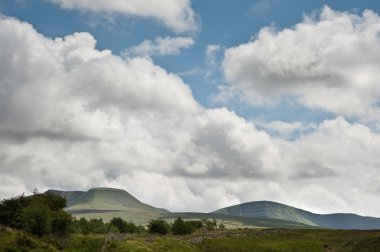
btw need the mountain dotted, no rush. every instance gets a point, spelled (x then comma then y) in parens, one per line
(274, 210)
(107, 203)
(231, 221)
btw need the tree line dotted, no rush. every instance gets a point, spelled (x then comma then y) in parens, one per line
(43, 213)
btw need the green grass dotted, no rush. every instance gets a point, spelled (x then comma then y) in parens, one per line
(17, 241)
(152, 244)
(298, 241)
(258, 240)
(83, 243)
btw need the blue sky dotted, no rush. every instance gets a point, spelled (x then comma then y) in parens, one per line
(203, 98)
(224, 23)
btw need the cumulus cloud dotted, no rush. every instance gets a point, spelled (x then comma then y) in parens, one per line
(284, 129)
(175, 14)
(73, 117)
(159, 47)
(329, 62)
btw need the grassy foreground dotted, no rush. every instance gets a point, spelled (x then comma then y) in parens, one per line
(20, 241)
(259, 240)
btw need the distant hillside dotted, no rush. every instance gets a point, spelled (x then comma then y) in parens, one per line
(107, 203)
(231, 221)
(273, 210)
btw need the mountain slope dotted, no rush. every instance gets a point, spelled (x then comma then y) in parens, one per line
(231, 221)
(107, 203)
(273, 210)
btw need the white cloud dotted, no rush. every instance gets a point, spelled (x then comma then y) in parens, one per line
(211, 52)
(329, 63)
(160, 47)
(73, 117)
(175, 14)
(284, 129)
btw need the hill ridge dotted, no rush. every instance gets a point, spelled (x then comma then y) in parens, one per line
(106, 203)
(275, 210)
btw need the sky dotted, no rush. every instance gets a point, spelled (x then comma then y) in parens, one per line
(194, 105)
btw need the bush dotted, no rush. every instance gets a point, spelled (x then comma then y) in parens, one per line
(93, 226)
(158, 226)
(11, 211)
(130, 228)
(195, 224)
(123, 226)
(36, 219)
(209, 225)
(181, 227)
(37, 214)
(61, 222)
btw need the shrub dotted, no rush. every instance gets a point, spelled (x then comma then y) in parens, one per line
(181, 227)
(61, 222)
(209, 225)
(158, 226)
(221, 226)
(36, 219)
(195, 224)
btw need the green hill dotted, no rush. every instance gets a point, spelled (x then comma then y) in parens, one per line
(107, 203)
(273, 210)
(231, 221)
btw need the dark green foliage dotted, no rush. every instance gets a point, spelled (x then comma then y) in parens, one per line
(123, 226)
(38, 214)
(130, 227)
(61, 222)
(158, 226)
(119, 223)
(209, 225)
(11, 211)
(93, 226)
(84, 226)
(36, 219)
(97, 226)
(181, 227)
(53, 201)
(195, 224)
(221, 226)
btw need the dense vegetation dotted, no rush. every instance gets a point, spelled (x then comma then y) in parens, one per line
(258, 240)
(38, 214)
(39, 223)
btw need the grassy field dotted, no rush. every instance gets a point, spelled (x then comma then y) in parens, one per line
(259, 240)
(15, 241)
(19, 241)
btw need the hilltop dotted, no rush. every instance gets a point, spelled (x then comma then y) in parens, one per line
(274, 210)
(107, 203)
